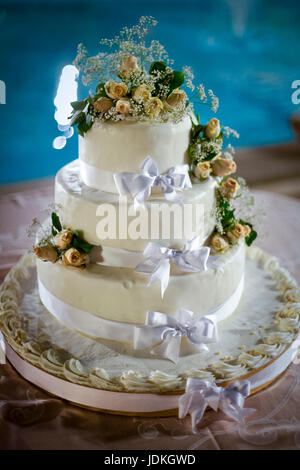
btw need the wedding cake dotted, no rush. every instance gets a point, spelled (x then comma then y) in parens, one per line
(145, 250)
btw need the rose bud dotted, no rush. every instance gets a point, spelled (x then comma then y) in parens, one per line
(229, 188)
(73, 257)
(212, 129)
(63, 239)
(222, 166)
(115, 90)
(141, 94)
(103, 105)
(45, 252)
(123, 106)
(202, 170)
(176, 98)
(129, 65)
(219, 243)
(153, 106)
(247, 230)
(236, 233)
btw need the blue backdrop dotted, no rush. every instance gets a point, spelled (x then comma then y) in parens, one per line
(247, 51)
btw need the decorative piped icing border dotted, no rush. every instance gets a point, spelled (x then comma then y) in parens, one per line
(286, 327)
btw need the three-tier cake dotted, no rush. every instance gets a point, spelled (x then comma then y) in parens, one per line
(144, 269)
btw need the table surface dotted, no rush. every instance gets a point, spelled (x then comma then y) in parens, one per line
(30, 419)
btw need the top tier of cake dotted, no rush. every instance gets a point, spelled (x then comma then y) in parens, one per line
(113, 147)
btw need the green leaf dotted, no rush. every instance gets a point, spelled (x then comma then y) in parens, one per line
(85, 124)
(253, 234)
(79, 105)
(177, 80)
(56, 222)
(100, 90)
(81, 244)
(77, 117)
(159, 66)
(250, 239)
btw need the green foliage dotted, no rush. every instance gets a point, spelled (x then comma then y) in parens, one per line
(56, 224)
(81, 116)
(80, 244)
(253, 234)
(225, 214)
(177, 80)
(158, 66)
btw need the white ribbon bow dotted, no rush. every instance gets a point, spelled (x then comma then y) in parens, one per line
(157, 264)
(139, 185)
(168, 332)
(200, 393)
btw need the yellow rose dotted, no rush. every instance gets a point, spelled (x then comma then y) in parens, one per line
(219, 243)
(229, 188)
(123, 106)
(63, 239)
(202, 170)
(212, 128)
(153, 107)
(115, 90)
(129, 65)
(247, 231)
(103, 104)
(236, 233)
(46, 252)
(141, 94)
(222, 166)
(176, 98)
(73, 257)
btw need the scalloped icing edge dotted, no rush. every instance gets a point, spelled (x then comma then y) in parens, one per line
(286, 329)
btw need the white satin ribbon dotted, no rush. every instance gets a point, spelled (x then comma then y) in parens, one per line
(139, 185)
(192, 258)
(169, 331)
(97, 178)
(101, 328)
(200, 393)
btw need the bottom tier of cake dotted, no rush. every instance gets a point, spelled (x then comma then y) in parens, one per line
(122, 295)
(256, 343)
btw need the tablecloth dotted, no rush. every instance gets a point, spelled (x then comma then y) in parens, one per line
(30, 419)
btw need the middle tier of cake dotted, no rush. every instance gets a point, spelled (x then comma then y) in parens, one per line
(80, 207)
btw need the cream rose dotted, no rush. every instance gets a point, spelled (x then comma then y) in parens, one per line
(73, 257)
(229, 188)
(115, 90)
(176, 98)
(153, 107)
(123, 106)
(247, 230)
(63, 239)
(129, 65)
(103, 105)
(212, 128)
(219, 243)
(202, 170)
(236, 233)
(141, 94)
(46, 252)
(222, 166)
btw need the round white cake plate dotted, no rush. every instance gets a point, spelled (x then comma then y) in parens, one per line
(135, 404)
(257, 342)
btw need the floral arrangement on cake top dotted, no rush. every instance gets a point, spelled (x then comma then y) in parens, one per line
(134, 81)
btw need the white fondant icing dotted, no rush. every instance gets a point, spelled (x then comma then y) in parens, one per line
(121, 294)
(78, 210)
(122, 146)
